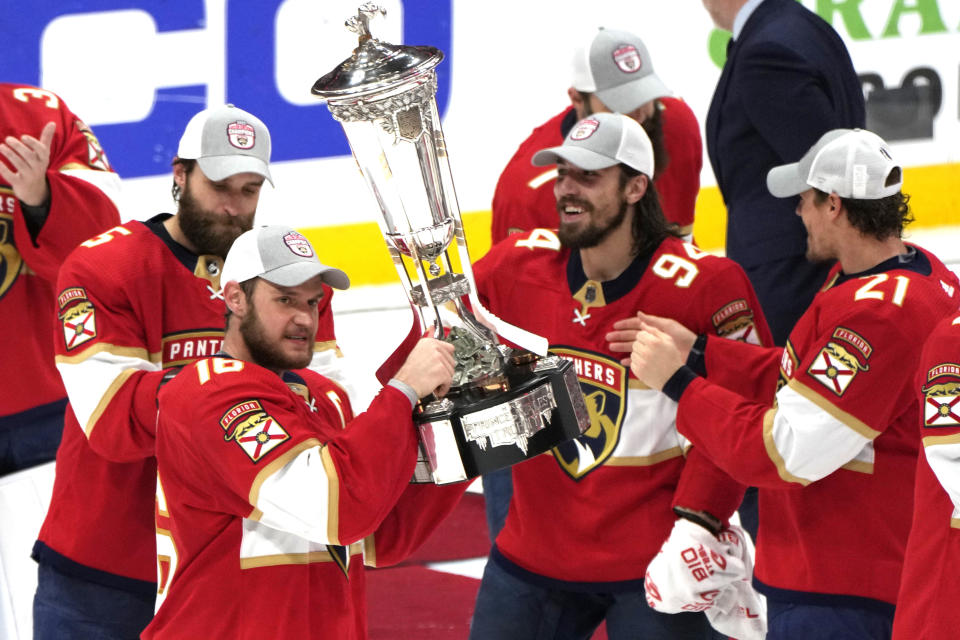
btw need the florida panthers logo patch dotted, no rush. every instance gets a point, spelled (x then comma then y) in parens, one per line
(603, 382)
(298, 244)
(241, 134)
(627, 58)
(584, 129)
(836, 366)
(256, 431)
(96, 157)
(735, 322)
(79, 324)
(942, 396)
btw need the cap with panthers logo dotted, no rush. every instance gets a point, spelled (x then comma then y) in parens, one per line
(600, 141)
(278, 254)
(226, 141)
(616, 66)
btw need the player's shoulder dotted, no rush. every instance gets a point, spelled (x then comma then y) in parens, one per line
(130, 239)
(30, 101)
(685, 253)
(534, 245)
(677, 110)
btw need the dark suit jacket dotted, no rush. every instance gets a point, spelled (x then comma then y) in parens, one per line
(788, 79)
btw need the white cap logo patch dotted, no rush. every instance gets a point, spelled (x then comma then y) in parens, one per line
(241, 135)
(298, 244)
(627, 58)
(584, 129)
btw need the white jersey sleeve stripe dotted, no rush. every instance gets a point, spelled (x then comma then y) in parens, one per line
(299, 497)
(106, 181)
(809, 441)
(943, 456)
(92, 383)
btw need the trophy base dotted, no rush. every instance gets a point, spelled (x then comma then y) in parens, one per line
(473, 430)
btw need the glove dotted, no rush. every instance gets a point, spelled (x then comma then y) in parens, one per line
(740, 612)
(695, 571)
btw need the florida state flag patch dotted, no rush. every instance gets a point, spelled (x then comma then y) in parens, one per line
(255, 430)
(79, 324)
(942, 396)
(837, 364)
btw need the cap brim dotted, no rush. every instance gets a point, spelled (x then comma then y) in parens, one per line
(631, 95)
(295, 274)
(583, 158)
(222, 167)
(785, 181)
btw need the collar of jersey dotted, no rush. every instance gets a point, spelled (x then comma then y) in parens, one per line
(612, 289)
(912, 260)
(186, 257)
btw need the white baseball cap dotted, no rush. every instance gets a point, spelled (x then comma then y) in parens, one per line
(600, 141)
(226, 141)
(616, 67)
(853, 163)
(280, 255)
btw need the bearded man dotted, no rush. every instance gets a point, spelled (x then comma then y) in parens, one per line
(135, 303)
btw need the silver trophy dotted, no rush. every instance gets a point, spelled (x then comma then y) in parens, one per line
(507, 404)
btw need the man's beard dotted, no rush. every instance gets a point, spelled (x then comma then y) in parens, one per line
(209, 232)
(262, 351)
(594, 233)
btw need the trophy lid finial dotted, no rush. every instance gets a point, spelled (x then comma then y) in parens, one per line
(360, 23)
(375, 66)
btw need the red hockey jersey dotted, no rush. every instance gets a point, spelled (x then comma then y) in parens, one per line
(524, 198)
(597, 509)
(835, 457)
(271, 498)
(131, 303)
(930, 586)
(82, 192)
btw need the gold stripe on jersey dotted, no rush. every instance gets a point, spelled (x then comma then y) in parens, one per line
(326, 345)
(834, 411)
(633, 383)
(955, 523)
(859, 466)
(370, 551)
(644, 461)
(274, 466)
(310, 557)
(774, 453)
(100, 347)
(106, 398)
(333, 499)
(930, 441)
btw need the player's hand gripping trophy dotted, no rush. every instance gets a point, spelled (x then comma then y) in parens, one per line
(506, 404)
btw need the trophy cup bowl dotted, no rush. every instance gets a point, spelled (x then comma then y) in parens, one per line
(506, 404)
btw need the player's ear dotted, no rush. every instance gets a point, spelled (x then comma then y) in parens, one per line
(235, 298)
(635, 188)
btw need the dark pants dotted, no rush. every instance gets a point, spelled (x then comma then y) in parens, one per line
(68, 608)
(497, 492)
(802, 622)
(33, 439)
(508, 608)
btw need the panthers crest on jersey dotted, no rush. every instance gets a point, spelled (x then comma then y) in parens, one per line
(838, 363)
(941, 396)
(256, 431)
(603, 382)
